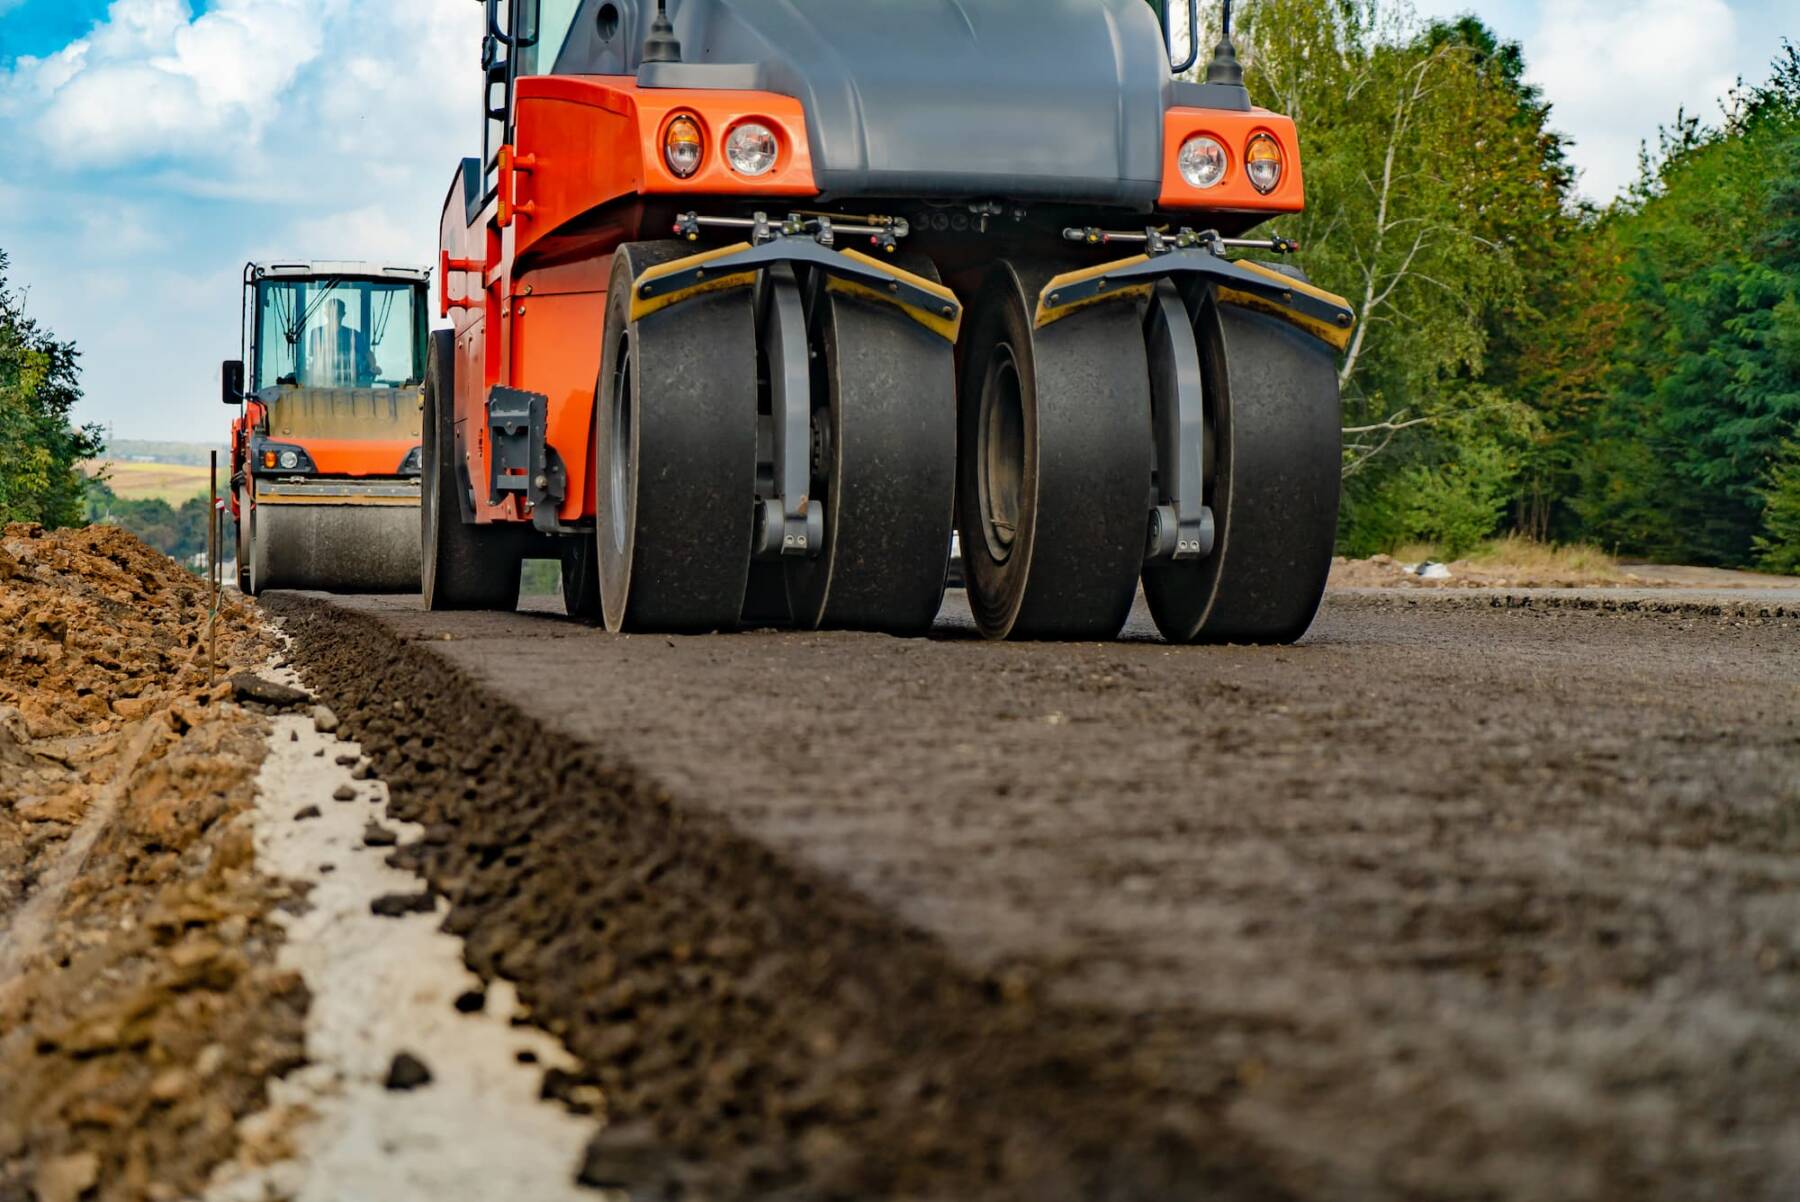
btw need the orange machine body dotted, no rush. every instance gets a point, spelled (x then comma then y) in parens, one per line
(526, 254)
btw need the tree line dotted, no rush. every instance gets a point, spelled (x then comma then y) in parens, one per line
(1625, 375)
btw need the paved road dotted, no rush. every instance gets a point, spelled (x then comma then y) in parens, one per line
(1463, 897)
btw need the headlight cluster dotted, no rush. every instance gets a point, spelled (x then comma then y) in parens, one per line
(1204, 162)
(751, 148)
(279, 457)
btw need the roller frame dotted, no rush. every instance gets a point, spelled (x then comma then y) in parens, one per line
(1325, 316)
(789, 523)
(738, 266)
(1181, 524)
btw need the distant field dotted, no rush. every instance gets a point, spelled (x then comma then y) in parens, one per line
(172, 482)
(190, 454)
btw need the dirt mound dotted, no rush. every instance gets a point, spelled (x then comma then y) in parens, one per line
(140, 1011)
(97, 631)
(91, 621)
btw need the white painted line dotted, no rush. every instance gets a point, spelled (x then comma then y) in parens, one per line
(478, 1131)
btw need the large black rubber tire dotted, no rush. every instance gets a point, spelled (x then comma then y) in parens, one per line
(675, 454)
(1273, 417)
(885, 389)
(464, 566)
(1055, 438)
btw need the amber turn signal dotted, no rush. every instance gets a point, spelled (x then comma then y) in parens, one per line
(682, 149)
(1262, 163)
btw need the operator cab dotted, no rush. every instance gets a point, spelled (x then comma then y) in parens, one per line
(336, 331)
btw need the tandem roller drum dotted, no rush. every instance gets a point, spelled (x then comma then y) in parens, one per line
(334, 548)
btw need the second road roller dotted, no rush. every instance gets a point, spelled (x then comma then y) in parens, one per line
(325, 448)
(756, 302)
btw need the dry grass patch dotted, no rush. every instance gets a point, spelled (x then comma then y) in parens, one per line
(171, 482)
(1518, 554)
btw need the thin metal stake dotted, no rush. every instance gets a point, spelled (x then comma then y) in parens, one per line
(212, 569)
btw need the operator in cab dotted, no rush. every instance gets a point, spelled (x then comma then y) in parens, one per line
(337, 354)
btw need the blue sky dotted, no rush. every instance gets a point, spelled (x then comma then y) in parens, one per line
(153, 146)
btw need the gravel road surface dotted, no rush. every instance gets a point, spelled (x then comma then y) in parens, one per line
(1464, 897)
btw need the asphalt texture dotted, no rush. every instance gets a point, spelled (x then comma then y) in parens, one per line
(1471, 896)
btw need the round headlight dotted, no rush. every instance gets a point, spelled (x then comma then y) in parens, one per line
(1202, 161)
(751, 149)
(290, 460)
(1262, 163)
(681, 147)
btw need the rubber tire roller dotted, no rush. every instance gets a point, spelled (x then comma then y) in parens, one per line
(674, 454)
(465, 566)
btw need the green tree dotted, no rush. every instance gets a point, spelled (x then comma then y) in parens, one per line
(1778, 545)
(1705, 387)
(1436, 201)
(39, 448)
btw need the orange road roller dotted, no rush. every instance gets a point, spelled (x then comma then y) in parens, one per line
(325, 448)
(758, 302)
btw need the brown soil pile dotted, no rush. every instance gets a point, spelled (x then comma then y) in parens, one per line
(93, 624)
(140, 1011)
(96, 631)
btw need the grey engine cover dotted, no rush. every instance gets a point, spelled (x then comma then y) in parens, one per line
(1046, 99)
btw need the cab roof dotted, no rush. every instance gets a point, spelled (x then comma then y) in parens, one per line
(302, 268)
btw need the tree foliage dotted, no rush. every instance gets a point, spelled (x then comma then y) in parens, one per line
(39, 448)
(1627, 375)
(1778, 546)
(1436, 194)
(1703, 387)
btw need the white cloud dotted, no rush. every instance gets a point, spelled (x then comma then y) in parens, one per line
(154, 80)
(1615, 70)
(171, 147)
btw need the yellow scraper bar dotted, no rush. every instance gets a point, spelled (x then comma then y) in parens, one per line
(1335, 335)
(642, 306)
(933, 320)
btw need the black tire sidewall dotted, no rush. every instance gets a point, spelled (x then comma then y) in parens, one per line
(996, 588)
(612, 559)
(462, 566)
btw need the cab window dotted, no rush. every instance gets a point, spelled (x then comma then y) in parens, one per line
(333, 332)
(543, 28)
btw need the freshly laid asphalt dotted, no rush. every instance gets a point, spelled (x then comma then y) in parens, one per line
(1468, 895)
